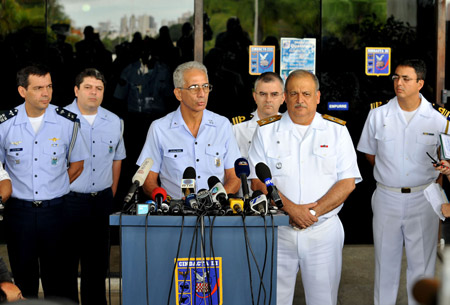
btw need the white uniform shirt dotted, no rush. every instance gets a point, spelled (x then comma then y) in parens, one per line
(173, 148)
(304, 169)
(243, 132)
(400, 148)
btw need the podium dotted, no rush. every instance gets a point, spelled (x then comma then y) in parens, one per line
(229, 279)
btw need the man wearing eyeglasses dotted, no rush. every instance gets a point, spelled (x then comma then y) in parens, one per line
(268, 96)
(396, 139)
(190, 136)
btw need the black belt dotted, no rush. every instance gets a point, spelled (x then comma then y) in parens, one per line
(37, 203)
(90, 195)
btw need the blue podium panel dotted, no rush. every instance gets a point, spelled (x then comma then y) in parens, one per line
(229, 251)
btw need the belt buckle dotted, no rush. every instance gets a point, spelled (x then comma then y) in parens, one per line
(406, 190)
(94, 194)
(36, 203)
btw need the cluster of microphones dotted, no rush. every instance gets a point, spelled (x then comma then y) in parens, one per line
(214, 201)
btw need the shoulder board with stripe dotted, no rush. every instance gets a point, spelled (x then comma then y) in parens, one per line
(376, 105)
(66, 113)
(269, 120)
(8, 114)
(442, 110)
(241, 118)
(333, 119)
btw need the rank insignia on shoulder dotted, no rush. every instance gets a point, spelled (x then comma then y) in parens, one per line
(333, 119)
(375, 105)
(8, 114)
(66, 113)
(269, 120)
(442, 110)
(241, 118)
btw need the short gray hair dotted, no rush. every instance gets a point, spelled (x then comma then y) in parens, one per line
(302, 73)
(178, 75)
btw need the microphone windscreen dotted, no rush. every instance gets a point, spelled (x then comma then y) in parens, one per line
(189, 173)
(142, 172)
(213, 180)
(159, 191)
(256, 194)
(262, 171)
(241, 167)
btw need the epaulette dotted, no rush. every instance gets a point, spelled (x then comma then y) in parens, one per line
(8, 114)
(66, 113)
(375, 105)
(333, 119)
(269, 120)
(241, 118)
(442, 110)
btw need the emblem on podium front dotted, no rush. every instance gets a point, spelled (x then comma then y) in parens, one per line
(199, 281)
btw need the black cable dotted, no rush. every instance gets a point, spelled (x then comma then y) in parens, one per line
(254, 258)
(189, 257)
(108, 271)
(146, 255)
(211, 226)
(203, 245)
(271, 259)
(248, 258)
(176, 260)
(265, 260)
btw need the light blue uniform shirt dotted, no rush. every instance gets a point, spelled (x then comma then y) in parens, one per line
(173, 148)
(37, 163)
(105, 143)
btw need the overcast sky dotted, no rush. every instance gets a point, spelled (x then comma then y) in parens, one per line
(91, 12)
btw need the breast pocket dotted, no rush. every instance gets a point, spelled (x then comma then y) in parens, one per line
(326, 160)
(425, 144)
(214, 159)
(109, 143)
(385, 143)
(16, 158)
(280, 162)
(54, 156)
(175, 161)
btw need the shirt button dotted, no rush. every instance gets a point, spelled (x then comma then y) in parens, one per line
(198, 177)
(35, 159)
(93, 169)
(93, 156)
(217, 153)
(35, 142)
(54, 153)
(36, 192)
(198, 160)
(93, 183)
(175, 156)
(35, 176)
(195, 143)
(93, 141)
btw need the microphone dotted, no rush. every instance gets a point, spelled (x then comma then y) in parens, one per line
(243, 171)
(204, 199)
(237, 205)
(159, 195)
(151, 206)
(218, 193)
(263, 173)
(188, 181)
(191, 201)
(258, 204)
(138, 180)
(176, 206)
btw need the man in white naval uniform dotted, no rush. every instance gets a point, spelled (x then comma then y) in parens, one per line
(268, 96)
(313, 164)
(395, 139)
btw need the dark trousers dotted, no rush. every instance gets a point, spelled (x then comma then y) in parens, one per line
(88, 218)
(34, 237)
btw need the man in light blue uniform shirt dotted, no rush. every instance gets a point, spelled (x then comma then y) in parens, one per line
(90, 201)
(190, 136)
(35, 146)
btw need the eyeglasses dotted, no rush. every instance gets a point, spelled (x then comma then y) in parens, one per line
(272, 94)
(406, 79)
(195, 89)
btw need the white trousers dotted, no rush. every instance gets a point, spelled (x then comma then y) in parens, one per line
(402, 220)
(317, 251)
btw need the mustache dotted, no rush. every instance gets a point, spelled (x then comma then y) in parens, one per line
(301, 106)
